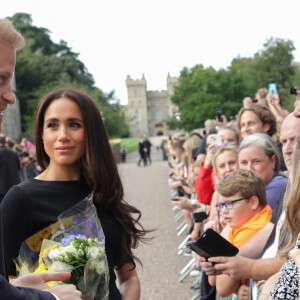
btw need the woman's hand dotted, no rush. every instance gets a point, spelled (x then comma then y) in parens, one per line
(209, 155)
(247, 101)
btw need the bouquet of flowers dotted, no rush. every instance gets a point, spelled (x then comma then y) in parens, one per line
(75, 243)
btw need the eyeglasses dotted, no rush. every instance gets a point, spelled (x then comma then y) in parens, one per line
(228, 204)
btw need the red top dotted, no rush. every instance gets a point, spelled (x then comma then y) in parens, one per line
(205, 185)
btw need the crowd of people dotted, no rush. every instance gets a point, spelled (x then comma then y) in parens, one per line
(241, 179)
(17, 163)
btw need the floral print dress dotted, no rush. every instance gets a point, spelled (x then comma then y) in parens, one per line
(287, 285)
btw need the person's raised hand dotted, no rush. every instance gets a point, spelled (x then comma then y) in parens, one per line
(38, 281)
(209, 155)
(247, 101)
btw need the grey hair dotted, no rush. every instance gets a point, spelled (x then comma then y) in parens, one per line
(265, 142)
(10, 35)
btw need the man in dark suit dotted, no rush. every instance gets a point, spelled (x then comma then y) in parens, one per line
(31, 286)
(9, 168)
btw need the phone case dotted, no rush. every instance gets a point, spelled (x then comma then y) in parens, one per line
(212, 244)
(215, 139)
(272, 89)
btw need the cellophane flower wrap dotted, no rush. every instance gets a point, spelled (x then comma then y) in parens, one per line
(75, 243)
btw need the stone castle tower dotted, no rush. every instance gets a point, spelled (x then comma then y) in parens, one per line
(148, 111)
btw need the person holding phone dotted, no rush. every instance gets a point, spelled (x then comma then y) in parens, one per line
(205, 180)
(243, 203)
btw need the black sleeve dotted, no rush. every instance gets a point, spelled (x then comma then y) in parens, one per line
(16, 224)
(8, 291)
(18, 162)
(202, 148)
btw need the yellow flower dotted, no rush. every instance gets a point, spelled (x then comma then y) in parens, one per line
(42, 268)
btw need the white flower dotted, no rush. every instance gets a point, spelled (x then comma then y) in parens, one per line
(59, 266)
(100, 267)
(53, 253)
(70, 249)
(93, 251)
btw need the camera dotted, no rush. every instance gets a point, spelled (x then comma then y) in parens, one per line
(293, 91)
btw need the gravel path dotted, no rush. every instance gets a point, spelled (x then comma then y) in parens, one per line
(147, 189)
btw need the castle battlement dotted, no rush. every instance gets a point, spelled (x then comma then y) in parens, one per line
(146, 109)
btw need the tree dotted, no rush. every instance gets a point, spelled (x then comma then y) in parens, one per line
(201, 91)
(43, 66)
(274, 64)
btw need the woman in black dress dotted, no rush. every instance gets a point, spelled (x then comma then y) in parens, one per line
(73, 149)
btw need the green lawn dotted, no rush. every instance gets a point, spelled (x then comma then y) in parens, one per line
(130, 144)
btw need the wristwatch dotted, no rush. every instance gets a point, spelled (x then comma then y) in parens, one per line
(193, 202)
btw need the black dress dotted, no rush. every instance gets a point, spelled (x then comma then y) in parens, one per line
(34, 204)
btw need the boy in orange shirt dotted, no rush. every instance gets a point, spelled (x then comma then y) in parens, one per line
(242, 202)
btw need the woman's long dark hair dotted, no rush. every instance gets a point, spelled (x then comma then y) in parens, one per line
(99, 169)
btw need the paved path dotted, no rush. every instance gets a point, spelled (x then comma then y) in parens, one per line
(147, 189)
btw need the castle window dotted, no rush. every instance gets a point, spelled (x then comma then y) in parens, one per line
(136, 115)
(140, 103)
(149, 115)
(134, 92)
(158, 115)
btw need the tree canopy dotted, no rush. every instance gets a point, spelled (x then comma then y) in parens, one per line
(203, 90)
(43, 66)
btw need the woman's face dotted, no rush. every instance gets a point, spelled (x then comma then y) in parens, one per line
(254, 158)
(251, 123)
(228, 136)
(226, 163)
(63, 133)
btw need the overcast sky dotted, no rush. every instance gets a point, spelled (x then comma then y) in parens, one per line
(120, 37)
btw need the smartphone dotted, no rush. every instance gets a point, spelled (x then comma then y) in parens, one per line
(272, 89)
(174, 199)
(199, 217)
(219, 114)
(215, 139)
(183, 182)
(254, 100)
(212, 244)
